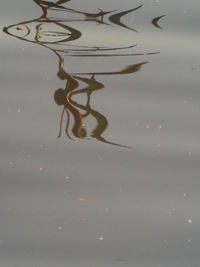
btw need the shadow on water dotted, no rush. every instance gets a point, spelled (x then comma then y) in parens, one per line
(60, 37)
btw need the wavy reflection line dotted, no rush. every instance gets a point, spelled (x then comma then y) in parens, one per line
(64, 97)
(115, 18)
(102, 122)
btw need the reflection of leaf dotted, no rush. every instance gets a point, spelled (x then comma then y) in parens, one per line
(155, 21)
(116, 18)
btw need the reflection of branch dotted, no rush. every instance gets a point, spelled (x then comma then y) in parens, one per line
(64, 36)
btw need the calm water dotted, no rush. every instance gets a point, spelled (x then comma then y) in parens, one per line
(100, 153)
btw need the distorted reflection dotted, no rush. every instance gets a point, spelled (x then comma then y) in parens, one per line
(63, 36)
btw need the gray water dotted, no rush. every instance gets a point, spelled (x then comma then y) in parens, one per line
(100, 152)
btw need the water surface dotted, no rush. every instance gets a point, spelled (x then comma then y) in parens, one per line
(99, 133)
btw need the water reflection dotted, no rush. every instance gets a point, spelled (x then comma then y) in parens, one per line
(63, 38)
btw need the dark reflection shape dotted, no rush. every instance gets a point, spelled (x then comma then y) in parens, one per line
(117, 17)
(71, 107)
(60, 2)
(128, 70)
(57, 36)
(156, 20)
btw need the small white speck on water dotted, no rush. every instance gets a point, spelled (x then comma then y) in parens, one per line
(19, 110)
(160, 126)
(67, 178)
(189, 240)
(185, 194)
(190, 221)
(59, 228)
(101, 238)
(11, 163)
(147, 126)
(41, 168)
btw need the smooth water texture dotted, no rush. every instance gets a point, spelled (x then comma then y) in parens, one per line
(99, 107)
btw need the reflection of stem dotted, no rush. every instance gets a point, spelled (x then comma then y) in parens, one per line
(67, 125)
(61, 121)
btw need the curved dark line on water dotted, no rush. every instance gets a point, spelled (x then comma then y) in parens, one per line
(112, 55)
(128, 70)
(60, 2)
(94, 49)
(156, 20)
(116, 18)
